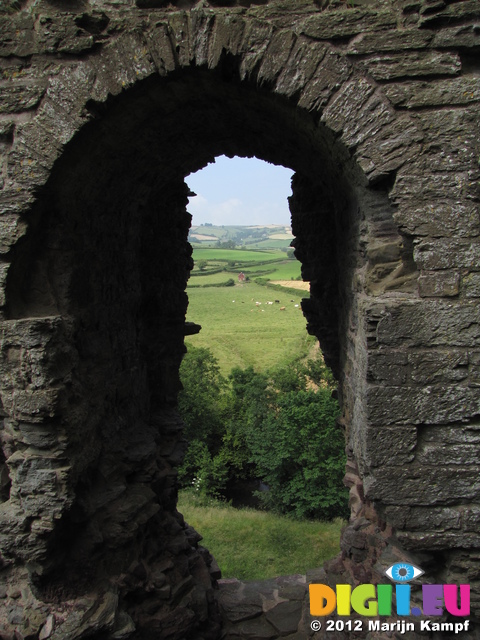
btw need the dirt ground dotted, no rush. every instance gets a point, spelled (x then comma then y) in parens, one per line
(293, 284)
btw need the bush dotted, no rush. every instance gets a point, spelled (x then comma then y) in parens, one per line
(270, 427)
(299, 455)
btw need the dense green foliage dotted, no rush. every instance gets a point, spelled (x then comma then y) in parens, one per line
(266, 544)
(277, 427)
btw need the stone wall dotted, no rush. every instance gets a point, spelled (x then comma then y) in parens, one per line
(106, 106)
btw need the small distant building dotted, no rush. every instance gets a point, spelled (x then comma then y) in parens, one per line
(241, 277)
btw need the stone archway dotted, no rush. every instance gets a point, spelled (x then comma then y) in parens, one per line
(95, 310)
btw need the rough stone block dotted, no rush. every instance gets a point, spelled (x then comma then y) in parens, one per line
(276, 56)
(28, 332)
(254, 43)
(300, 67)
(3, 279)
(382, 444)
(404, 65)
(424, 518)
(457, 91)
(17, 35)
(465, 35)
(438, 540)
(427, 323)
(331, 73)
(426, 486)
(160, 48)
(458, 12)
(122, 63)
(447, 254)
(18, 97)
(441, 219)
(439, 284)
(387, 366)
(471, 519)
(31, 405)
(331, 25)
(450, 138)
(471, 285)
(228, 34)
(436, 453)
(285, 616)
(373, 42)
(427, 367)
(350, 99)
(12, 227)
(421, 186)
(428, 405)
(202, 23)
(393, 145)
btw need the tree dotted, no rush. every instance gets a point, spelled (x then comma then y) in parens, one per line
(202, 265)
(255, 426)
(299, 454)
(198, 401)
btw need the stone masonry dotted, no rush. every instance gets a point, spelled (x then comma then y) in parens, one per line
(105, 107)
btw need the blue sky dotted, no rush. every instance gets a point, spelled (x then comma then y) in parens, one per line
(242, 191)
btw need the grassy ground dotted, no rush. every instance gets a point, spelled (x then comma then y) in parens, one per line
(241, 333)
(241, 255)
(255, 545)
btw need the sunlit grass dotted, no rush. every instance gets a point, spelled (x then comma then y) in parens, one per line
(255, 545)
(242, 333)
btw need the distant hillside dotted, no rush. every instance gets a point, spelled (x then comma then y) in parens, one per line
(269, 236)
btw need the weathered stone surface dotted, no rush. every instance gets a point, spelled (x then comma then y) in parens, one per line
(447, 254)
(339, 24)
(299, 68)
(405, 65)
(439, 284)
(424, 518)
(460, 12)
(381, 441)
(285, 617)
(425, 485)
(471, 285)
(329, 76)
(447, 219)
(427, 367)
(425, 405)
(403, 40)
(457, 91)
(432, 324)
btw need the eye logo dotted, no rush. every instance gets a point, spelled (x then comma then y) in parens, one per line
(403, 572)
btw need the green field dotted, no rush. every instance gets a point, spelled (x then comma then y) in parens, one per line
(241, 333)
(274, 265)
(237, 330)
(241, 255)
(266, 545)
(270, 236)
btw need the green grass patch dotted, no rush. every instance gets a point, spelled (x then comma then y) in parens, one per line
(242, 255)
(286, 270)
(241, 333)
(271, 244)
(256, 545)
(205, 278)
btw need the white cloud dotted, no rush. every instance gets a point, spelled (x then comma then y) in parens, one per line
(218, 213)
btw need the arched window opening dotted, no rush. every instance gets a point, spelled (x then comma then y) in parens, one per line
(258, 400)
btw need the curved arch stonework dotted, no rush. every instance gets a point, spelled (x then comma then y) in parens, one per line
(106, 107)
